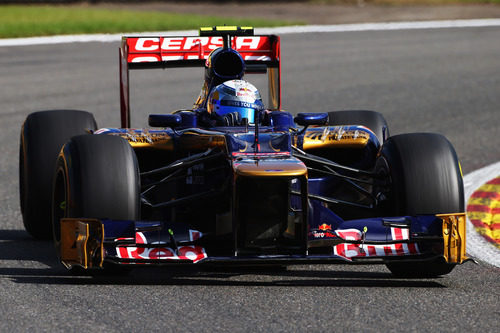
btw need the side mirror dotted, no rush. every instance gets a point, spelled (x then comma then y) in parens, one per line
(307, 119)
(164, 120)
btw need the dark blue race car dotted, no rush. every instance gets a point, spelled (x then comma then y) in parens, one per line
(234, 181)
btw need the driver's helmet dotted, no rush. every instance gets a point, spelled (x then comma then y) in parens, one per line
(237, 96)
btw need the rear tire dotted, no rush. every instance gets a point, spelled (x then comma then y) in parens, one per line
(97, 176)
(425, 179)
(375, 121)
(42, 136)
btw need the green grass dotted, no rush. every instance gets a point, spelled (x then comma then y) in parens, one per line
(26, 21)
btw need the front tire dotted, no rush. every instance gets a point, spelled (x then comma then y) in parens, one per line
(425, 178)
(97, 176)
(42, 136)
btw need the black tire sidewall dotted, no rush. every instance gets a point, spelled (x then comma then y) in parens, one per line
(42, 136)
(103, 178)
(424, 173)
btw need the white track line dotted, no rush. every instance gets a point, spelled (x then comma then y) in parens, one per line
(477, 246)
(385, 26)
(106, 38)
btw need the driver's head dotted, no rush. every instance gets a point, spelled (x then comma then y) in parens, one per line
(235, 96)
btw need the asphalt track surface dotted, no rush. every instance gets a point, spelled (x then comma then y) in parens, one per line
(445, 81)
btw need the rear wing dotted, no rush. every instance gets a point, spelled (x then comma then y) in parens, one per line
(260, 53)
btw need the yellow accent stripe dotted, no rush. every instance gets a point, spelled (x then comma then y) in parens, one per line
(494, 234)
(482, 216)
(490, 188)
(226, 28)
(490, 202)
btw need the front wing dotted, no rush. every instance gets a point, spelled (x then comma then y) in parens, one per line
(89, 243)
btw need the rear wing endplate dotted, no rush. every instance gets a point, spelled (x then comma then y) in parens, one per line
(260, 53)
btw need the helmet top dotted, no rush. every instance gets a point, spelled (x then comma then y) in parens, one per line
(237, 96)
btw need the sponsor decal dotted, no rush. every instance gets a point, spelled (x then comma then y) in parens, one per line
(144, 137)
(349, 234)
(146, 44)
(349, 251)
(140, 238)
(335, 135)
(400, 233)
(245, 92)
(325, 226)
(323, 234)
(193, 253)
(188, 252)
(242, 104)
(152, 49)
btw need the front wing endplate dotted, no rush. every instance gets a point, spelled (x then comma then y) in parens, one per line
(82, 242)
(454, 237)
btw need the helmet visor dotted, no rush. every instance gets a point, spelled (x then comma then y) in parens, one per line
(244, 112)
(245, 109)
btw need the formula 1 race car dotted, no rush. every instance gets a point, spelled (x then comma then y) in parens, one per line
(233, 182)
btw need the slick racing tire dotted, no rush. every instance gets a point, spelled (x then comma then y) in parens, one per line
(375, 121)
(97, 176)
(42, 136)
(425, 178)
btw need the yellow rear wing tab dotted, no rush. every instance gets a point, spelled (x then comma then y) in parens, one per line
(226, 30)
